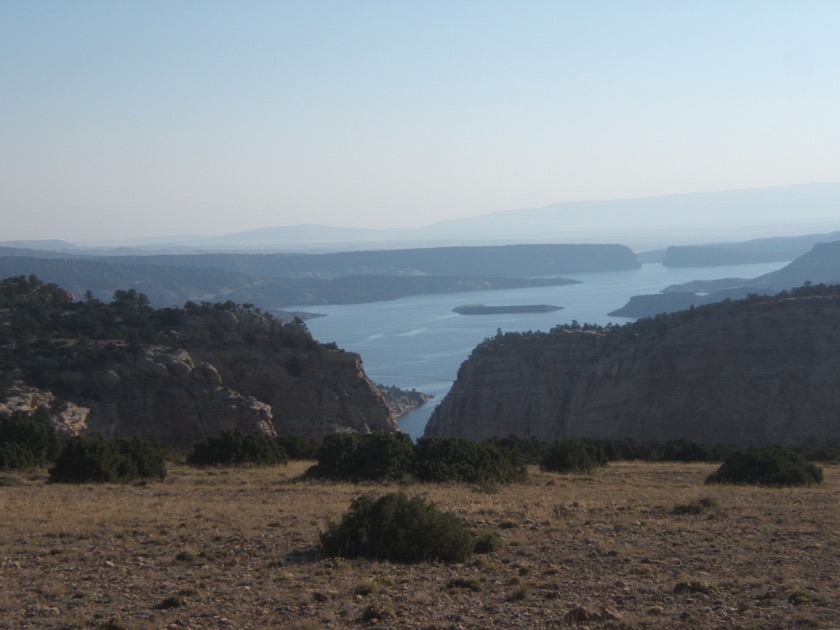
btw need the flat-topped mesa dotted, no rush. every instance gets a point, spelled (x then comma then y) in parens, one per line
(759, 371)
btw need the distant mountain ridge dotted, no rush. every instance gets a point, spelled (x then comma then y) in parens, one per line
(642, 223)
(298, 234)
(686, 218)
(501, 260)
(821, 265)
(758, 250)
(275, 281)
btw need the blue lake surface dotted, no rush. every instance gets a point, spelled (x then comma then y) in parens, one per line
(418, 342)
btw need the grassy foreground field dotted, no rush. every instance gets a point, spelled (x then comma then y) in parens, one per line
(635, 545)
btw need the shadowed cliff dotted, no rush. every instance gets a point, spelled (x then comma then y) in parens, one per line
(175, 375)
(757, 371)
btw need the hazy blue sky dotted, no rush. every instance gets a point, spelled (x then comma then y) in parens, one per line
(121, 119)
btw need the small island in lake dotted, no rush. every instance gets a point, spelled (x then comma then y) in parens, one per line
(481, 309)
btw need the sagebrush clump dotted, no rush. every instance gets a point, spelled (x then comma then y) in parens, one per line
(398, 528)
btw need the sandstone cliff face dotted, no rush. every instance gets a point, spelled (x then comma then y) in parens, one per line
(758, 372)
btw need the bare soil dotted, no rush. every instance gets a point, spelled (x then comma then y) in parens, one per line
(635, 545)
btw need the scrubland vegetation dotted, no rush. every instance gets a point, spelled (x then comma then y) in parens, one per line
(629, 544)
(244, 531)
(27, 441)
(632, 545)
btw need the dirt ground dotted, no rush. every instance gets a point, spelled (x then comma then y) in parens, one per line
(635, 545)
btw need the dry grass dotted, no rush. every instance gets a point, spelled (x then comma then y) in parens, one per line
(633, 546)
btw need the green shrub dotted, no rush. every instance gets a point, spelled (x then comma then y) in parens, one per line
(398, 528)
(364, 456)
(140, 459)
(572, 455)
(13, 456)
(298, 447)
(466, 461)
(767, 466)
(629, 450)
(85, 459)
(94, 459)
(828, 451)
(654, 451)
(686, 451)
(521, 450)
(233, 448)
(487, 541)
(27, 440)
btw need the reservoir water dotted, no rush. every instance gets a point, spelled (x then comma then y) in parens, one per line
(418, 342)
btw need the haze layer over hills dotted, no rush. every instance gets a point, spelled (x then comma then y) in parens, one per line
(277, 279)
(640, 223)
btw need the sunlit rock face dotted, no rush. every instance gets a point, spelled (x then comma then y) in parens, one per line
(755, 372)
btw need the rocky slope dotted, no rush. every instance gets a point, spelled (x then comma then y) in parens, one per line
(759, 371)
(176, 375)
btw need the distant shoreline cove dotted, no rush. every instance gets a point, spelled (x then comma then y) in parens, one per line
(481, 309)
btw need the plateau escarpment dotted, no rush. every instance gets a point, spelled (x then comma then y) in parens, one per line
(758, 371)
(175, 375)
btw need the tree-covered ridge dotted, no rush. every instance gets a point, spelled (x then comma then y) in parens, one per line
(32, 309)
(274, 283)
(44, 329)
(177, 375)
(649, 327)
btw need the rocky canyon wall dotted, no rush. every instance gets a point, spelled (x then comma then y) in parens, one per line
(752, 372)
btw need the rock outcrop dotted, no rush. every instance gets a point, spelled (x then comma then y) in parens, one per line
(68, 418)
(401, 401)
(760, 371)
(178, 375)
(312, 389)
